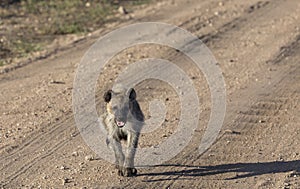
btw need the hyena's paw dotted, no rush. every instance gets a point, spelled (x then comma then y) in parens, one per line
(127, 172)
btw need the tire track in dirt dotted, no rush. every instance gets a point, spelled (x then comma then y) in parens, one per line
(272, 99)
(270, 137)
(34, 139)
(25, 155)
(259, 6)
(270, 102)
(236, 27)
(262, 107)
(286, 51)
(278, 78)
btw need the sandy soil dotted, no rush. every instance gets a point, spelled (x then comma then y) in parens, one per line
(257, 45)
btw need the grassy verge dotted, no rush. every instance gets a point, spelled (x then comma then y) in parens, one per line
(28, 26)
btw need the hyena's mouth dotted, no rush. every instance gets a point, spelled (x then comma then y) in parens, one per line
(120, 123)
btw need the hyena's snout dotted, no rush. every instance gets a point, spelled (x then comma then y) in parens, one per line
(120, 120)
(120, 115)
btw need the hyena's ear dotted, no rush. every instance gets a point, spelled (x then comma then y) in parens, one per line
(107, 96)
(132, 94)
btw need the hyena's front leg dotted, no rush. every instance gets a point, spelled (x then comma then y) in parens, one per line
(119, 156)
(132, 142)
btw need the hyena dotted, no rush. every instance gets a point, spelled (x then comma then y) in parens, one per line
(123, 121)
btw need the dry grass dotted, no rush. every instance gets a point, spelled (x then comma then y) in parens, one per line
(27, 26)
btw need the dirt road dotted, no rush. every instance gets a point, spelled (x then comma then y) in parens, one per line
(257, 46)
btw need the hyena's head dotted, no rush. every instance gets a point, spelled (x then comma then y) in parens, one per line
(119, 102)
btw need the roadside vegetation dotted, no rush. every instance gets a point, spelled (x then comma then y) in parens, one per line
(29, 26)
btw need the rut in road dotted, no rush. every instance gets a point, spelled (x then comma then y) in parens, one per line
(251, 126)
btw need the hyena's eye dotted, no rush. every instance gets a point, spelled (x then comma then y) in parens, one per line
(114, 108)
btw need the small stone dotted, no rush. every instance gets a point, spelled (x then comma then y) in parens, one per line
(89, 158)
(65, 181)
(57, 82)
(63, 168)
(294, 174)
(281, 158)
(232, 132)
(73, 134)
(75, 154)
